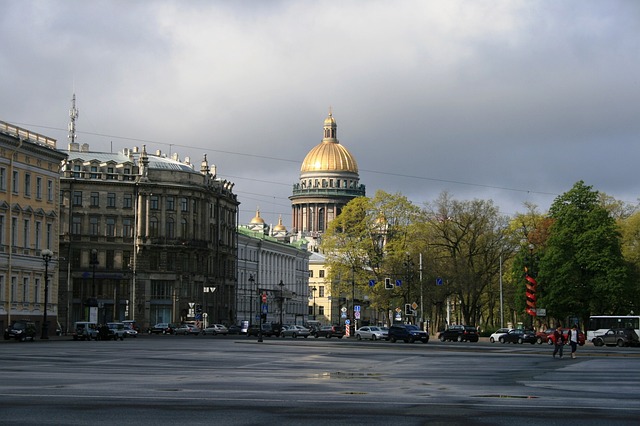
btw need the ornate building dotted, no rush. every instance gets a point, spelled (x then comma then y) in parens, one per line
(29, 222)
(146, 238)
(269, 265)
(328, 181)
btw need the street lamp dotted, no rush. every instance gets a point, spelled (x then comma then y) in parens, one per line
(93, 262)
(408, 263)
(313, 291)
(251, 281)
(281, 284)
(46, 256)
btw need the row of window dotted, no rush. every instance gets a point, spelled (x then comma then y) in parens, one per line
(38, 237)
(29, 186)
(21, 293)
(320, 273)
(125, 228)
(171, 202)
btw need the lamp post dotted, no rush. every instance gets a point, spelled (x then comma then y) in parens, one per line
(46, 256)
(313, 291)
(94, 263)
(251, 289)
(408, 263)
(281, 284)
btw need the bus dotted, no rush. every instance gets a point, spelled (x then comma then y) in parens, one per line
(599, 324)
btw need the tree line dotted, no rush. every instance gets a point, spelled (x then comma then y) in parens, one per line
(457, 259)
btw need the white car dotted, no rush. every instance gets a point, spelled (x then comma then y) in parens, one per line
(214, 329)
(187, 329)
(372, 333)
(495, 337)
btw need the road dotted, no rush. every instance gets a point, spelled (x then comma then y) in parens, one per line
(156, 380)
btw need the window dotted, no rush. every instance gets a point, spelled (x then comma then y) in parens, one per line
(49, 190)
(76, 225)
(1, 236)
(49, 235)
(153, 226)
(27, 184)
(14, 289)
(127, 201)
(184, 231)
(26, 234)
(95, 199)
(110, 259)
(111, 227)
(38, 188)
(321, 273)
(171, 262)
(153, 202)
(320, 310)
(321, 291)
(3, 179)
(126, 260)
(36, 290)
(94, 172)
(310, 273)
(171, 228)
(127, 230)
(184, 205)
(14, 231)
(15, 182)
(94, 227)
(76, 171)
(25, 289)
(38, 234)
(171, 203)
(111, 200)
(77, 198)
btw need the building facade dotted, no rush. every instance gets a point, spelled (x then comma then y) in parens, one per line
(147, 238)
(272, 275)
(29, 224)
(329, 179)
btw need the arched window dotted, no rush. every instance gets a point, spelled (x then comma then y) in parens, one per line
(171, 228)
(153, 226)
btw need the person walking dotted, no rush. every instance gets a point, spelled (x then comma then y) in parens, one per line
(558, 339)
(573, 340)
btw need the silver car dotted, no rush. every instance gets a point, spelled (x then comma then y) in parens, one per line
(371, 333)
(294, 331)
(215, 329)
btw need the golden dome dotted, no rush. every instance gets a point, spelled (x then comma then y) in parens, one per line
(329, 155)
(279, 226)
(257, 219)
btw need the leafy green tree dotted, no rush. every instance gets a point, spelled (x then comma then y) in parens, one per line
(582, 271)
(467, 239)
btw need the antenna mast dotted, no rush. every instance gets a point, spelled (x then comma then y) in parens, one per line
(73, 114)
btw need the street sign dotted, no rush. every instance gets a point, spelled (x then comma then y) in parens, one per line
(343, 315)
(398, 310)
(372, 283)
(347, 322)
(343, 309)
(438, 281)
(356, 308)
(541, 312)
(414, 306)
(264, 297)
(357, 314)
(398, 283)
(265, 308)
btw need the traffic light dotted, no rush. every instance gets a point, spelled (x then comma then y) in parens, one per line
(407, 309)
(388, 285)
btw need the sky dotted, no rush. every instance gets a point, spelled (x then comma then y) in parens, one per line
(510, 101)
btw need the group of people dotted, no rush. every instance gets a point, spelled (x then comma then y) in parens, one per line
(559, 341)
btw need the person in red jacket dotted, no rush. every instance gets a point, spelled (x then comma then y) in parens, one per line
(558, 340)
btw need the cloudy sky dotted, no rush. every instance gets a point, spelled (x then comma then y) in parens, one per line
(512, 101)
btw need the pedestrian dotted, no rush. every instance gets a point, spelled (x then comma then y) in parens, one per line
(558, 339)
(573, 340)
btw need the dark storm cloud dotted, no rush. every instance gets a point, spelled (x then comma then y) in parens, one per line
(513, 101)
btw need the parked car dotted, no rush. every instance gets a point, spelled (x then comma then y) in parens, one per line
(162, 328)
(543, 336)
(118, 329)
(268, 330)
(551, 338)
(85, 330)
(372, 333)
(234, 329)
(518, 336)
(496, 335)
(329, 331)
(408, 333)
(132, 324)
(187, 329)
(459, 333)
(294, 331)
(617, 337)
(21, 331)
(215, 329)
(130, 331)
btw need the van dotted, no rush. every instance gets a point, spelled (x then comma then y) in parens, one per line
(85, 330)
(118, 329)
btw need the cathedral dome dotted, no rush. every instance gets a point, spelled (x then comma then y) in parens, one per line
(329, 155)
(257, 220)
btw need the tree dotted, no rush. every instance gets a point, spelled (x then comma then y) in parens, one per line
(582, 270)
(468, 238)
